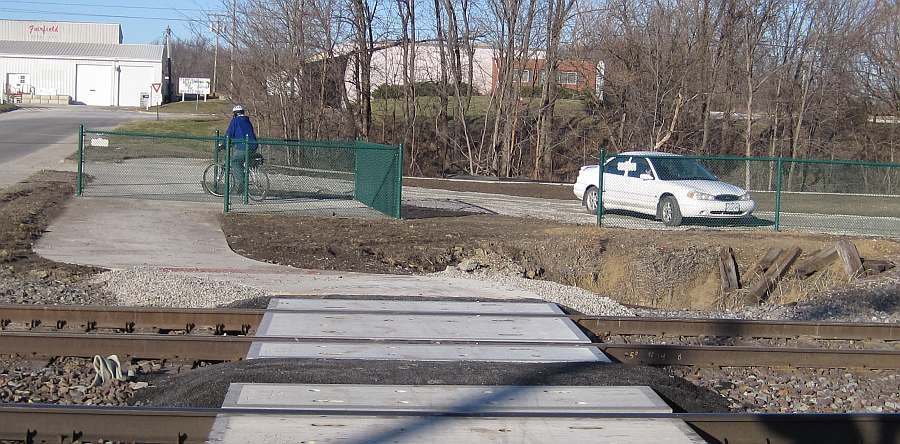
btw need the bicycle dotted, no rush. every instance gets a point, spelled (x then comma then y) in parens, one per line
(257, 178)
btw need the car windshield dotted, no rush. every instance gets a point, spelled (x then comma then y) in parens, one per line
(677, 168)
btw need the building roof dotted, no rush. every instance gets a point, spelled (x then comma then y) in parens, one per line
(105, 51)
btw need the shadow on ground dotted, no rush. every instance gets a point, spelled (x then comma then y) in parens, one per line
(206, 386)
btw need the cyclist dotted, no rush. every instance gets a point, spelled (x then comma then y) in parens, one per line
(240, 128)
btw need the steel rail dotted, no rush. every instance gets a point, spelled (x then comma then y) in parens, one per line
(88, 318)
(141, 346)
(232, 348)
(31, 423)
(610, 326)
(739, 356)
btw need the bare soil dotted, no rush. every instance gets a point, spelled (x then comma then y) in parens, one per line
(26, 210)
(648, 268)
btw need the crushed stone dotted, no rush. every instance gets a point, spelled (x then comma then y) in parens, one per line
(573, 298)
(155, 288)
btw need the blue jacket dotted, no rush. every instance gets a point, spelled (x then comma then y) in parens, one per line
(238, 128)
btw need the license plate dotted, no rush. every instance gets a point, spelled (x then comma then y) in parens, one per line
(732, 207)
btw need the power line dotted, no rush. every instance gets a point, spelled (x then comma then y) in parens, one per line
(34, 11)
(99, 5)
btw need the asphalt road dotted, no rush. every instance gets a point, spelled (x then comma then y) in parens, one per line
(35, 138)
(27, 130)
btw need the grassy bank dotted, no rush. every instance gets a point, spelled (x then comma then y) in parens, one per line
(129, 147)
(427, 107)
(210, 106)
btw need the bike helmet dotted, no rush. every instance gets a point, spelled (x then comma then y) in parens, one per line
(238, 109)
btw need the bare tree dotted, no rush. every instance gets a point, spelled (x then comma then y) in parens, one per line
(557, 14)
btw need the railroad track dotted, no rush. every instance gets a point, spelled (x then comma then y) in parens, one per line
(226, 334)
(31, 424)
(246, 320)
(48, 331)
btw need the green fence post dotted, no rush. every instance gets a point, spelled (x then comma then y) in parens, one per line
(600, 169)
(246, 169)
(227, 192)
(778, 167)
(399, 189)
(79, 181)
(216, 161)
(356, 151)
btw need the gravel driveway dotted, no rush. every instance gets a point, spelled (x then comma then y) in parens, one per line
(571, 211)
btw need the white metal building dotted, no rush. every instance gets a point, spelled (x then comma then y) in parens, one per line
(81, 63)
(71, 32)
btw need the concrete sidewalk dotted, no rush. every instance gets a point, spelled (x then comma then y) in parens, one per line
(185, 238)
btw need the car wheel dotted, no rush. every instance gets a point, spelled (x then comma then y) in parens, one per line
(669, 212)
(590, 200)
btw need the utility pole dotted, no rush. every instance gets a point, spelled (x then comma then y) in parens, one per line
(233, 41)
(217, 30)
(168, 64)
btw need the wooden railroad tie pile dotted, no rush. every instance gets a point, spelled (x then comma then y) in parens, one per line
(776, 263)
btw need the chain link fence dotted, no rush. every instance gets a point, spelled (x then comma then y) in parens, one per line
(310, 177)
(649, 189)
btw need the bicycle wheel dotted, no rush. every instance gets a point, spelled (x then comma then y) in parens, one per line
(214, 179)
(259, 184)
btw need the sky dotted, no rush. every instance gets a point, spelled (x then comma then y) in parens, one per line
(143, 21)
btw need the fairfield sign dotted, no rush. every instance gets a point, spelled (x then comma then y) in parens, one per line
(42, 29)
(52, 31)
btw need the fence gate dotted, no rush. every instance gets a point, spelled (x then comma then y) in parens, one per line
(309, 177)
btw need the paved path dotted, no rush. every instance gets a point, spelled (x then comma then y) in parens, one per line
(36, 138)
(185, 238)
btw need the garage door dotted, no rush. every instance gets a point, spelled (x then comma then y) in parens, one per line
(93, 85)
(133, 81)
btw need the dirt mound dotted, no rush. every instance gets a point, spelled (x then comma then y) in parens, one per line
(206, 387)
(667, 269)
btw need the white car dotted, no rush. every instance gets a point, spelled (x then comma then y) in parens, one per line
(667, 186)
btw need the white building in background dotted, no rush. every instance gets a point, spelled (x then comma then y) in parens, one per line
(81, 63)
(387, 67)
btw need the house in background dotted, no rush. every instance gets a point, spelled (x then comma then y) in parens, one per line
(387, 68)
(574, 75)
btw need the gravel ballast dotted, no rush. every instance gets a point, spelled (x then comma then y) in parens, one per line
(155, 288)
(49, 287)
(574, 298)
(771, 390)
(67, 381)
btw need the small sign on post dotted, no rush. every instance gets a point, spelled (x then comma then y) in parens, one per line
(157, 96)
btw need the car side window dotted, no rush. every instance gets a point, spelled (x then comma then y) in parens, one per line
(643, 167)
(612, 167)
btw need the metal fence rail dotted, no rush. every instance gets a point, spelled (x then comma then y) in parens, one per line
(833, 196)
(311, 177)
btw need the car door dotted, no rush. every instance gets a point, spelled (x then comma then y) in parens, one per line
(639, 192)
(613, 186)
